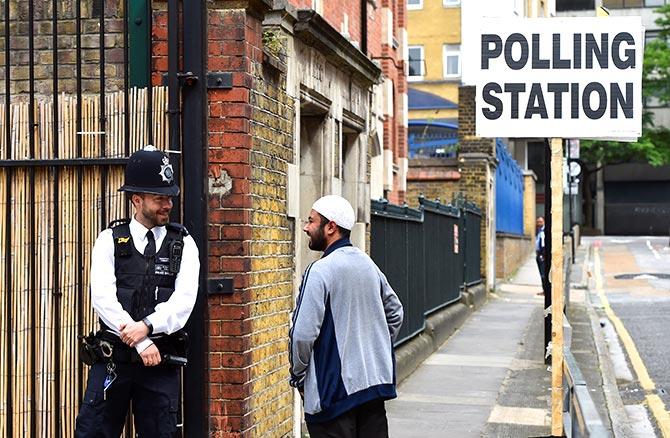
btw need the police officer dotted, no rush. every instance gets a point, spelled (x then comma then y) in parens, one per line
(144, 282)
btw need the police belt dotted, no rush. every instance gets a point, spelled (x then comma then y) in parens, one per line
(106, 346)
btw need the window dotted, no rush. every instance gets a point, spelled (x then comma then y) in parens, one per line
(618, 4)
(575, 5)
(451, 3)
(416, 63)
(414, 4)
(452, 60)
(650, 35)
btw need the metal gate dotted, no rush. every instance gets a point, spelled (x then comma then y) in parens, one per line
(78, 100)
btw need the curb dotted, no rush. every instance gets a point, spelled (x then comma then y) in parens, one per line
(439, 327)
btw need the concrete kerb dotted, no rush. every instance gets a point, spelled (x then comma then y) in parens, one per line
(439, 327)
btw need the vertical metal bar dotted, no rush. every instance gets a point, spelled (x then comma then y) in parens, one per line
(56, 233)
(31, 197)
(8, 301)
(80, 184)
(126, 80)
(546, 283)
(173, 96)
(103, 117)
(195, 205)
(150, 90)
(566, 143)
(126, 84)
(9, 401)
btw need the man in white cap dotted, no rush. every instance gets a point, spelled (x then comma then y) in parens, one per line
(341, 342)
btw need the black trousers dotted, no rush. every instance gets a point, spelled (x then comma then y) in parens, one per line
(365, 421)
(154, 392)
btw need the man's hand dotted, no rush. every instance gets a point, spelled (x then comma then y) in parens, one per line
(133, 333)
(151, 356)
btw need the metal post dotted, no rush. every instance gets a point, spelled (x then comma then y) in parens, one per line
(33, 219)
(546, 284)
(103, 120)
(56, 293)
(194, 143)
(572, 234)
(9, 401)
(80, 185)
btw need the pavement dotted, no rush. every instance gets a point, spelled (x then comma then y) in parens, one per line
(489, 378)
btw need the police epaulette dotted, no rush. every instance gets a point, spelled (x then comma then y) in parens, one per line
(118, 222)
(122, 238)
(179, 228)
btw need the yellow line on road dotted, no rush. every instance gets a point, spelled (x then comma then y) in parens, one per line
(653, 401)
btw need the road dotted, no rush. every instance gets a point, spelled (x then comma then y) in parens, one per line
(632, 278)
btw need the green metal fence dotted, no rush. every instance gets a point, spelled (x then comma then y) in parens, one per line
(424, 254)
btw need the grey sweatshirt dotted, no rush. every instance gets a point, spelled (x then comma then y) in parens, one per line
(341, 342)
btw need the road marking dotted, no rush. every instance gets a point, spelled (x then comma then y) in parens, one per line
(653, 401)
(651, 248)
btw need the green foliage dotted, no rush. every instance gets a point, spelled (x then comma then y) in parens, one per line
(272, 42)
(654, 144)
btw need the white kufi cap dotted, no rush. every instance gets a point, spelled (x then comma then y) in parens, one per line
(337, 209)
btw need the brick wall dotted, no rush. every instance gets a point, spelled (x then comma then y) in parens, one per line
(434, 178)
(395, 133)
(468, 141)
(66, 30)
(334, 12)
(512, 251)
(477, 164)
(250, 145)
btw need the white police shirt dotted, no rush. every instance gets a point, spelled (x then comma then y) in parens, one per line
(169, 316)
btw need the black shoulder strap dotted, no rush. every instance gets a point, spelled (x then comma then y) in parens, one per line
(177, 228)
(176, 233)
(123, 241)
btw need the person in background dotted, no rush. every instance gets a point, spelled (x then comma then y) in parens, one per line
(539, 248)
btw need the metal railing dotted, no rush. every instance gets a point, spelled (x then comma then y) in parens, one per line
(423, 253)
(580, 416)
(70, 115)
(509, 192)
(472, 221)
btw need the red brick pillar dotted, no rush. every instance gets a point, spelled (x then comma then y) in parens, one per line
(249, 148)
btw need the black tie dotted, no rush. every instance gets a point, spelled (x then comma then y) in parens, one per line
(150, 250)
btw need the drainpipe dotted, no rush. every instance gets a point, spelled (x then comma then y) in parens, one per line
(364, 26)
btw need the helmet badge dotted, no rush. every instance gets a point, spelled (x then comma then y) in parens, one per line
(166, 170)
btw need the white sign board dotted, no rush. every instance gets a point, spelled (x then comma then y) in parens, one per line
(560, 77)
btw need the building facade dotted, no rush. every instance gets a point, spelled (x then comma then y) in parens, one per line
(278, 103)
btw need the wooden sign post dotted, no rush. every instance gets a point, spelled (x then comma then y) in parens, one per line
(557, 287)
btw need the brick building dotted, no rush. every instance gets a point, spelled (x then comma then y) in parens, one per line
(314, 119)
(316, 103)
(379, 29)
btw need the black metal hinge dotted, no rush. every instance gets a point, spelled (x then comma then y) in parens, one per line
(220, 286)
(219, 80)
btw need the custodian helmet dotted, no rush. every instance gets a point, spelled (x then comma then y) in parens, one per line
(149, 171)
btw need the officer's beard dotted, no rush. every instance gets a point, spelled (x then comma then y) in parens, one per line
(156, 219)
(317, 240)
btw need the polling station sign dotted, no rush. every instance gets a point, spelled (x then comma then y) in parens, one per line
(560, 77)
